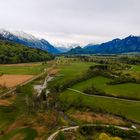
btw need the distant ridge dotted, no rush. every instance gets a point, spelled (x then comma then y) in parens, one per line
(116, 46)
(27, 40)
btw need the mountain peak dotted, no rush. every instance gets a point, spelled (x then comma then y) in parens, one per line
(27, 40)
(4, 32)
(22, 34)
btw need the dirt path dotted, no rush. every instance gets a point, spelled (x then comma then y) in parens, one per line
(53, 136)
(62, 130)
(105, 97)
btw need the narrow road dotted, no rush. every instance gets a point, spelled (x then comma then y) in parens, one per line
(53, 136)
(28, 81)
(64, 129)
(24, 83)
(105, 97)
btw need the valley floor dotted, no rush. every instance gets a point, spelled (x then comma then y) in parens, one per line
(80, 93)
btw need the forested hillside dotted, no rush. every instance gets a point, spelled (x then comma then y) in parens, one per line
(16, 53)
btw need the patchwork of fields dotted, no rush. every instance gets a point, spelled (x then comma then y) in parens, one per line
(15, 107)
(71, 100)
(12, 75)
(126, 109)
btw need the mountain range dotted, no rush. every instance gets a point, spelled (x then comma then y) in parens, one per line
(65, 47)
(28, 40)
(116, 46)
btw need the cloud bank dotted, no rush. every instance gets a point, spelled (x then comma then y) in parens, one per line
(82, 21)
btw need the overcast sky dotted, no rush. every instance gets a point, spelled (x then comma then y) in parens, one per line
(81, 21)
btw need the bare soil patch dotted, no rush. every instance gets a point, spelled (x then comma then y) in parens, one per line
(9, 81)
(4, 102)
(91, 117)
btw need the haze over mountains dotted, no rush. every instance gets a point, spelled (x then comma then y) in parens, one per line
(28, 40)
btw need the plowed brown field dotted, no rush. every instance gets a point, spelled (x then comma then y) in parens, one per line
(13, 80)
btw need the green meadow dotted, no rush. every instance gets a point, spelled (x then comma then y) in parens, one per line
(127, 109)
(131, 90)
(71, 70)
(27, 70)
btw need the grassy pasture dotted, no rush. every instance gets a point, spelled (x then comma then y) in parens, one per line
(31, 69)
(131, 90)
(69, 71)
(68, 98)
(126, 109)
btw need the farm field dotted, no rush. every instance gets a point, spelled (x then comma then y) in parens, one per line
(10, 81)
(127, 109)
(25, 69)
(131, 90)
(70, 70)
(15, 74)
(42, 115)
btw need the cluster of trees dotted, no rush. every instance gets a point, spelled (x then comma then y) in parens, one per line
(114, 72)
(31, 103)
(134, 60)
(121, 78)
(91, 130)
(16, 53)
(94, 91)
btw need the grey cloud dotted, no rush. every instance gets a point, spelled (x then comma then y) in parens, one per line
(72, 19)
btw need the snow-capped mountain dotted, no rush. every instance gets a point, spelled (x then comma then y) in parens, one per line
(24, 35)
(28, 40)
(64, 47)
